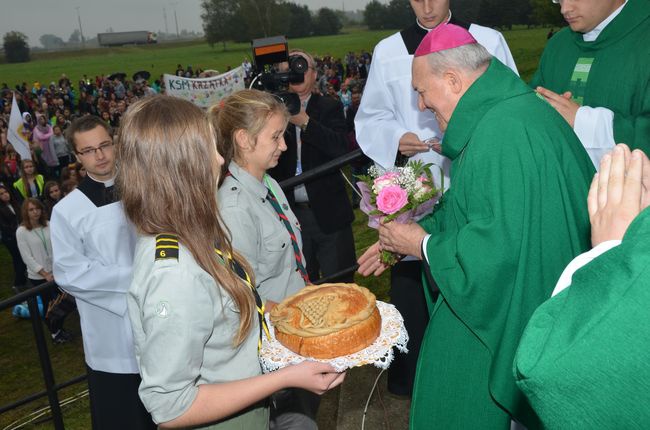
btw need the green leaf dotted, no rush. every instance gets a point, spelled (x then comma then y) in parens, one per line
(388, 258)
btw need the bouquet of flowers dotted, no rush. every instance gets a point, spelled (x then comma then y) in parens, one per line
(398, 194)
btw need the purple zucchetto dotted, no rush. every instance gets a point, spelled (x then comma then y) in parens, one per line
(444, 36)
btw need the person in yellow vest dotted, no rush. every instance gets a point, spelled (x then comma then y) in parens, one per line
(30, 183)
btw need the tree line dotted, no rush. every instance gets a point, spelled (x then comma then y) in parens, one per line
(243, 20)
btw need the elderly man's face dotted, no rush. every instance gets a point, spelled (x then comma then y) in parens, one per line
(434, 92)
(430, 12)
(584, 15)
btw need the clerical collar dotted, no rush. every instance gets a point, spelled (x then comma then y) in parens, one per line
(413, 35)
(429, 29)
(593, 34)
(100, 193)
(107, 183)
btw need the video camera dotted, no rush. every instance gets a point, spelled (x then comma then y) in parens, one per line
(268, 54)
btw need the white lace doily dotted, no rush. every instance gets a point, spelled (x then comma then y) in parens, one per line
(274, 356)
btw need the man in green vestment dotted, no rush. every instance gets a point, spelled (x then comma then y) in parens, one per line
(512, 219)
(595, 73)
(583, 358)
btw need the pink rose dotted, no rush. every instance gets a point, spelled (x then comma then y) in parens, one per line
(391, 199)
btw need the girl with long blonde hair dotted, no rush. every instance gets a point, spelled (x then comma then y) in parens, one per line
(193, 304)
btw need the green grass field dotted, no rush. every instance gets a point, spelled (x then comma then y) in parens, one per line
(163, 58)
(526, 47)
(21, 374)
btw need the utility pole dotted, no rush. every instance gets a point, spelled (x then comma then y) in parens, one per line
(165, 18)
(178, 36)
(174, 4)
(81, 32)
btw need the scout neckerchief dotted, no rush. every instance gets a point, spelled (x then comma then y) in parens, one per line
(241, 272)
(271, 197)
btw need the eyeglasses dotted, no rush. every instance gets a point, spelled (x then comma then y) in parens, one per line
(106, 146)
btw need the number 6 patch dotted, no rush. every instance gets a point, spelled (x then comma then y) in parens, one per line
(166, 247)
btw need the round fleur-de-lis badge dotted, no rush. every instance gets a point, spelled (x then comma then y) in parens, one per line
(163, 310)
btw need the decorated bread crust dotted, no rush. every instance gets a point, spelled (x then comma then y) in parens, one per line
(327, 321)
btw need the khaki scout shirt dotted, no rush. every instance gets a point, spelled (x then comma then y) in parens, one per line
(258, 233)
(183, 328)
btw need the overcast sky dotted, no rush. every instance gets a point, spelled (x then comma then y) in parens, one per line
(59, 17)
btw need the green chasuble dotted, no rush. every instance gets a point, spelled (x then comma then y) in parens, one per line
(584, 359)
(612, 72)
(515, 215)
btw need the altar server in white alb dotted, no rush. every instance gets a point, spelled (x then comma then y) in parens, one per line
(389, 126)
(93, 246)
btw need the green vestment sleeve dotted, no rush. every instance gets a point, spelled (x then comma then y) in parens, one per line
(584, 358)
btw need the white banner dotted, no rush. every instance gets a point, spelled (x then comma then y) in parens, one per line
(205, 92)
(16, 135)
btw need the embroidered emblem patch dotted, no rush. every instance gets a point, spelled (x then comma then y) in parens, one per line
(163, 309)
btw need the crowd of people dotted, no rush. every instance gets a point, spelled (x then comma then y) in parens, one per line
(524, 292)
(48, 110)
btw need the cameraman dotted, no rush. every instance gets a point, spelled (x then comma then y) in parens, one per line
(315, 136)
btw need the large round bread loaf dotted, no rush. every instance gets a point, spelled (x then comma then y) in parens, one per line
(327, 321)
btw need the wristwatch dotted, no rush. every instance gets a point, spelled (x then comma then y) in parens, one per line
(303, 126)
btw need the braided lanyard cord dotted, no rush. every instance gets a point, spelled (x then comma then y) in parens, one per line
(243, 275)
(41, 236)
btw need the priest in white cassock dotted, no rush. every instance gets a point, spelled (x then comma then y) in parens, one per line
(389, 126)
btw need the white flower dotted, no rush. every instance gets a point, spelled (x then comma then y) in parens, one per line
(420, 189)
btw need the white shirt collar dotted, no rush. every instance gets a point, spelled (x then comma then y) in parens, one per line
(593, 34)
(304, 103)
(429, 29)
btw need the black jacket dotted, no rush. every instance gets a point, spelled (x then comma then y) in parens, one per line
(9, 221)
(324, 140)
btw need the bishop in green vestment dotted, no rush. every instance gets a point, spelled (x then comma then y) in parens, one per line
(601, 63)
(584, 358)
(495, 245)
